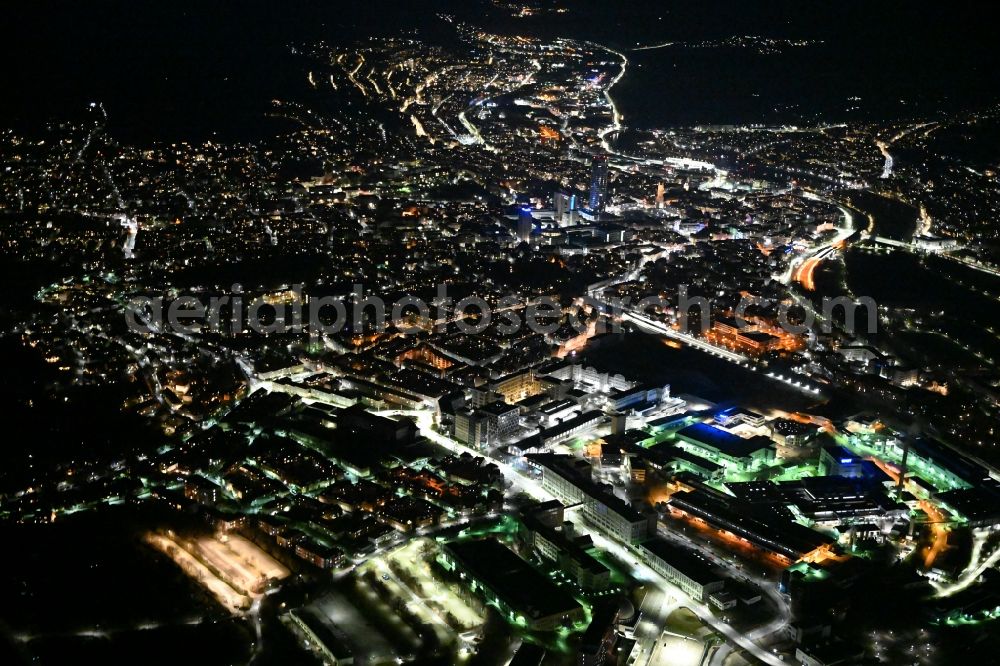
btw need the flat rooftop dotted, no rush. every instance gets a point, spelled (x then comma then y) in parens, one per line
(521, 586)
(760, 525)
(562, 465)
(707, 435)
(571, 424)
(556, 406)
(689, 563)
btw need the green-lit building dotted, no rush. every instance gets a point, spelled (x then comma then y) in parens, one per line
(725, 448)
(501, 578)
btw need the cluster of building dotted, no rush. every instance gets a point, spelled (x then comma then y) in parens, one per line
(487, 168)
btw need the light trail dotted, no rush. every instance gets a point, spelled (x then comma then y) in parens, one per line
(652, 47)
(939, 533)
(373, 82)
(804, 274)
(883, 147)
(969, 576)
(352, 74)
(616, 116)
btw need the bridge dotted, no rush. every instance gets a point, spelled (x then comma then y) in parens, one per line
(651, 325)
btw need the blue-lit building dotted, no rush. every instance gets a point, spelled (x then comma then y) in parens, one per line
(838, 461)
(525, 223)
(725, 448)
(598, 184)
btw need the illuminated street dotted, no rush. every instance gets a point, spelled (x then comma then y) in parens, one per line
(500, 333)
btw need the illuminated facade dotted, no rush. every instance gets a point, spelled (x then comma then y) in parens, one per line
(684, 568)
(525, 597)
(569, 481)
(725, 448)
(598, 184)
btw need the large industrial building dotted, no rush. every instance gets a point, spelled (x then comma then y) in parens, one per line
(838, 461)
(826, 500)
(523, 594)
(759, 526)
(569, 480)
(487, 425)
(725, 448)
(545, 531)
(685, 568)
(571, 427)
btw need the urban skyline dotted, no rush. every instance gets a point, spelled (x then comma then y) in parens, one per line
(494, 332)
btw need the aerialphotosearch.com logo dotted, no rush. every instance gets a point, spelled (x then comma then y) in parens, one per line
(294, 313)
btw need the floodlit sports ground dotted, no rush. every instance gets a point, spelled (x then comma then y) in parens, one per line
(226, 595)
(230, 567)
(255, 557)
(676, 651)
(239, 562)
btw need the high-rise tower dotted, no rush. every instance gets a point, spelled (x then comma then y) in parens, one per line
(598, 183)
(565, 204)
(525, 223)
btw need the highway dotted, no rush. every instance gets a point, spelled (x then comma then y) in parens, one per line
(801, 271)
